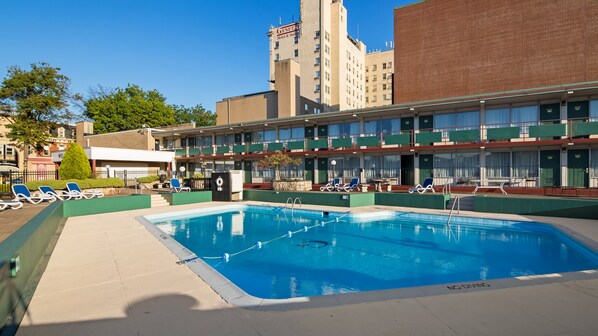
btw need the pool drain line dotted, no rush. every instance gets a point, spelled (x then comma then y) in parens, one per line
(225, 257)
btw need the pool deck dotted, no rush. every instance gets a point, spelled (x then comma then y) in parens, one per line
(109, 275)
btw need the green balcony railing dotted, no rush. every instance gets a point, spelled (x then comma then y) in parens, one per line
(275, 146)
(550, 130)
(397, 139)
(180, 152)
(223, 149)
(256, 148)
(464, 135)
(503, 133)
(368, 141)
(239, 149)
(291, 145)
(584, 128)
(207, 150)
(428, 137)
(342, 143)
(317, 144)
(194, 151)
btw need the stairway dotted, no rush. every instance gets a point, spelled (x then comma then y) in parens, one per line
(158, 201)
(465, 203)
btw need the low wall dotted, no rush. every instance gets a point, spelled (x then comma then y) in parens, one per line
(415, 200)
(95, 206)
(545, 206)
(188, 197)
(33, 244)
(291, 185)
(318, 198)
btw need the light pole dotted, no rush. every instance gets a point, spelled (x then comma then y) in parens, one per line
(182, 169)
(107, 170)
(333, 164)
(373, 171)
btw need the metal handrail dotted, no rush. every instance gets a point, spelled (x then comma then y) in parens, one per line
(297, 199)
(457, 202)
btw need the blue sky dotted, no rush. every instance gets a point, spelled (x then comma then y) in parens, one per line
(192, 51)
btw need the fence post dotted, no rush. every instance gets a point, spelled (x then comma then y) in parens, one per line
(125, 178)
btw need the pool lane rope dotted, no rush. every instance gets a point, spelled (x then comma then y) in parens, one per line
(225, 257)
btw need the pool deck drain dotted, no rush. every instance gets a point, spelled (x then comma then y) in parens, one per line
(110, 276)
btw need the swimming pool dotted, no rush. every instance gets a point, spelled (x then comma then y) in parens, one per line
(273, 253)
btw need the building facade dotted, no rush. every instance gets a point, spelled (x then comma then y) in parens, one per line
(379, 76)
(332, 62)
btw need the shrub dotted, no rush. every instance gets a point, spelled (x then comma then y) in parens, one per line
(148, 179)
(75, 164)
(83, 184)
(198, 175)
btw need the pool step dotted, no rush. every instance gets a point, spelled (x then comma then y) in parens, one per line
(466, 203)
(158, 201)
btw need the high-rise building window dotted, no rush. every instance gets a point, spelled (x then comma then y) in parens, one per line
(374, 78)
(276, 45)
(277, 57)
(327, 36)
(374, 67)
(317, 60)
(296, 53)
(389, 65)
(384, 66)
(317, 87)
(317, 74)
(318, 47)
(383, 76)
(317, 33)
(367, 69)
(296, 39)
(383, 86)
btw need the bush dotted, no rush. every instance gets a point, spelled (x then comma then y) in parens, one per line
(83, 184)
(75, 164)
(198, 175)
(148, 179)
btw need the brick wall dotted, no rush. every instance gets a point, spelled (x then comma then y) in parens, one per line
(466, 47)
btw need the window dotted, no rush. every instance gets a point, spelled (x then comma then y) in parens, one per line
(374, 78)
(318, 47)
(367, 79)
(367, 69)
(594, 163)
(10, 151)
(367, 99)
(317, 60)
(461, 166)
(389, 65)
(343, 130)
(498, 164)
(327, 76)
(594, 110)
(226, 139)
(296, 41)
(317, 33)
(296, 53)
(327, 36)
(60, 132)
(456, 121)
(384, 76)
(327, 49)
(383, 86)
(384, 66)
(374, 88)
(317, 87)
(498, 117)
(374, 98)
(384, 97)
(276, 45)
(317, 74)
(525, 164)
(306, 107)
(374, 67)
(367, 89)
(277, 57)
(524, 117)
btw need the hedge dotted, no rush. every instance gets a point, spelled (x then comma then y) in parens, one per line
(148, 179)
(83, 184)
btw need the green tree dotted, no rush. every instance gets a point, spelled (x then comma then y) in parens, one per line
(277, 161)
(129, 108)
(35, 101)
(197, 114)
(75, 163)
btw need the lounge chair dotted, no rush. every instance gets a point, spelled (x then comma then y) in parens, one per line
(60, 194)
(10, 205)
(428, 185)
(175, 185)
(73, 188)
(352, 185)
(332, 185)
(23, 194)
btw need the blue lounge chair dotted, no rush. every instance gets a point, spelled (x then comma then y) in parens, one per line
(74, 189)
(10, 205)
(175, 185)
(352, 185)
(23, 194)
(428, 185)
(60, 194)
(332, 185)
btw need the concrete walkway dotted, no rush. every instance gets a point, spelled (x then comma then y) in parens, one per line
(109, 276)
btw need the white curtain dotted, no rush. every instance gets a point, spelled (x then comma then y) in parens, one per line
(525, 164)
(498, 164)
(498, 118)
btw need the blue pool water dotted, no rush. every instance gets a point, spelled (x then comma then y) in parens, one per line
(339, 253)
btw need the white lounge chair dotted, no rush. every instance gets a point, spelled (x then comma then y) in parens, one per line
(428, 185)
(332, 185)
(23, 194)
(59, 194)
(73, 188)
(352, 185)
(10, 205)
(175, 185)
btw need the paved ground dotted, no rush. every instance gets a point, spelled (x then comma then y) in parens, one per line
(109, 276)
(12, 220)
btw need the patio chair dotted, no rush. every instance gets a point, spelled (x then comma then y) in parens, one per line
(175, 185)
(60, 194)
(332, 185)
(73, 188)
(10, 205)
(23, 194)
(428, 185)
(352, 185)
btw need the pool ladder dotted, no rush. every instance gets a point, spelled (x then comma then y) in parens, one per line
(292, 202)
(456, 202)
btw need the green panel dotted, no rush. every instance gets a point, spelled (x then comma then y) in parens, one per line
(188, 197)
(247, 137)
(223, 149)
(322, 170)
(247, 169)
(584, 128)
(238, 138)
(540, 206)
(369, 141)
(503, 133)
(180, 152)
(426, 167)
(550, 168)
(309, 169)
(238, 149)
(428, 137)
(317, 144)
(426, 122)
(550, 112)
(353, 199)
(254, 148)
(322, 131)
(578, 165)
(94, 206)
(207, 150)
(547, 130)
(342, 143)
(415, 200)
(295, 145)
(577, 110)
(465, 135)
(194, 151)
(407, 123)
(397, 139)
(33, 243)
(275, 146)
(238, 165)
(310, 132)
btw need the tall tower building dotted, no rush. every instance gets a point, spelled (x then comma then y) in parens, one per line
(332, 62)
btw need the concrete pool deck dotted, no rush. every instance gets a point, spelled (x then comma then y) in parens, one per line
(108, 275)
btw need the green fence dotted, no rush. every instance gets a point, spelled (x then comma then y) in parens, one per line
(415, 200)
(545, 206)
(319, 198)
(188, 197)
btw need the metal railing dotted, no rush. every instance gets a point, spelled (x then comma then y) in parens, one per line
(10, 178)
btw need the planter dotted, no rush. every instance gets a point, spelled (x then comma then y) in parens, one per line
(291, 185)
